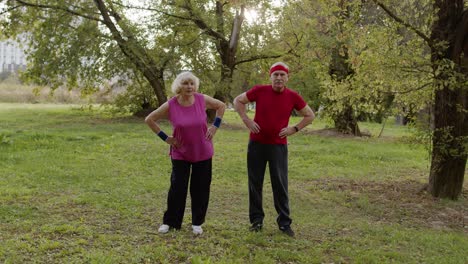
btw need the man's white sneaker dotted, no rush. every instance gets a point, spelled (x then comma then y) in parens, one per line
(163, 229)
(197, 230)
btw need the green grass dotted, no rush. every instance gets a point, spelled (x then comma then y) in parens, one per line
(80, 186)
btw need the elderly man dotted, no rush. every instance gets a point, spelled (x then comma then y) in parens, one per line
(268, 142)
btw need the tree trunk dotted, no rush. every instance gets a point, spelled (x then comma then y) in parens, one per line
(227, 50)
(345, 120)
(449, 154)
(224, 86)
(136, 53)
(156, 80)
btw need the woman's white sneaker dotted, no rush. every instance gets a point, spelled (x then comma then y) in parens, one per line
(163, 229)
(197, 230)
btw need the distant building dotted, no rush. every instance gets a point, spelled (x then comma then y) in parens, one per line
(12, 57)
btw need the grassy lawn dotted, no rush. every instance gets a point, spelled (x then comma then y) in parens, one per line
(81, 186)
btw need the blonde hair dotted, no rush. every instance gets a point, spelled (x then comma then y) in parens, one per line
(182, 77)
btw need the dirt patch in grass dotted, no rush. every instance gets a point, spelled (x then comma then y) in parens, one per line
(234, 126)
(406, 203)
(330, 132)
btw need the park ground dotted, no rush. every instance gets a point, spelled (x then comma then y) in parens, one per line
(81, 185)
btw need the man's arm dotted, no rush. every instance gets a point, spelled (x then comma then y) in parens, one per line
(239, 105)
(307, 118)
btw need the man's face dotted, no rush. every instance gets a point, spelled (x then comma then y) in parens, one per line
(278, 80)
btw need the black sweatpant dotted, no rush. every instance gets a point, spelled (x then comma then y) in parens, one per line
(258, 155)
(200, 181)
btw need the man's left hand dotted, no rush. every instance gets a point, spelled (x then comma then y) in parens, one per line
(287, 131)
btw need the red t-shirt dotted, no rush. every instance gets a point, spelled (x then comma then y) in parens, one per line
(272, 112)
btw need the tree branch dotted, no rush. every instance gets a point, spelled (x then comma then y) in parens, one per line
(115, 14)
(291, 47)
(9, 9)
(264, 56)
(55, 7)
(117, 36)
(201, 23)
(236, 28)
(409, 90)
(129, 46)
(258, 57)
(404, 23)
(108, 22)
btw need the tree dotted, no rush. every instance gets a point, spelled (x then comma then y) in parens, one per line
(298, 33)
(341, 71)
(222, 22)
(448, 43)
(74, 43)
(185, 22)
(326, 40)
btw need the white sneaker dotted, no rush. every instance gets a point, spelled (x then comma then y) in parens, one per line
(163, 229)
(197, 230)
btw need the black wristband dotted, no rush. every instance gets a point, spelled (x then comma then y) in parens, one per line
(162, 135)
(297, 129)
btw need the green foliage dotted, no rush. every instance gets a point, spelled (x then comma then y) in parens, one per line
(449, 144)
(205, 34)
(134, 96)
(389, 66)
(72, 47)
(386, 58)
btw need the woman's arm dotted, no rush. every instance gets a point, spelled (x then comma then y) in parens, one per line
(161, 113)
(151, 120)
(212, 103)
(220, 107)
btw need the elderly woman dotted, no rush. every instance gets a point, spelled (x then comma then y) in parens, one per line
(191, 149)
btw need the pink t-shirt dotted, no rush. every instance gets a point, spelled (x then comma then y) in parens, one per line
(272, 112)
(189, 128)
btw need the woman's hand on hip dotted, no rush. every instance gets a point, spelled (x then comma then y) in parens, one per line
(173, 142)
(211, 132)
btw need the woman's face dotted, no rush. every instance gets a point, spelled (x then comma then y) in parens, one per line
(187, 87)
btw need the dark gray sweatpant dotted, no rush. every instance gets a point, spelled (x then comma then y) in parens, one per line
(258, 155)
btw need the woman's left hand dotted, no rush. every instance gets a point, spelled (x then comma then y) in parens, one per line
(211, 132)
